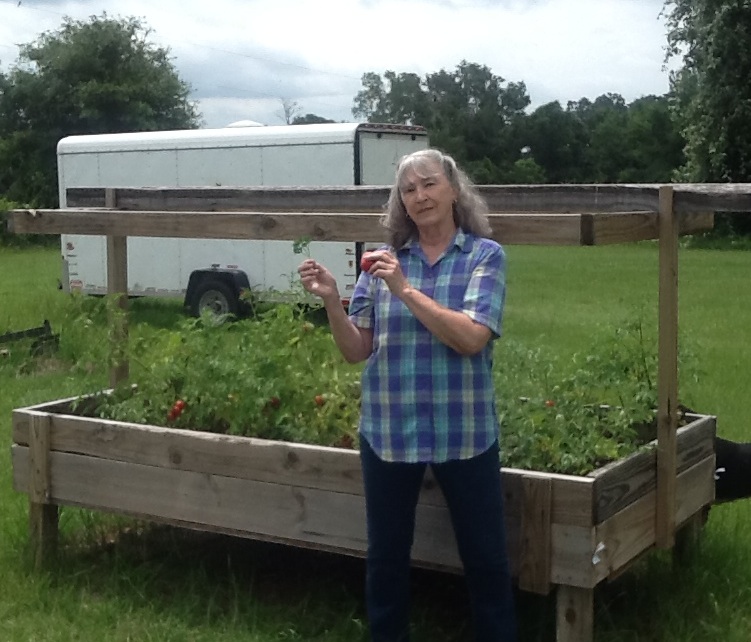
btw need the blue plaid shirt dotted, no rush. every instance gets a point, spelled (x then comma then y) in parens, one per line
(421, 400)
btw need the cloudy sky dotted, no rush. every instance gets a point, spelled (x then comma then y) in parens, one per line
(243, 57)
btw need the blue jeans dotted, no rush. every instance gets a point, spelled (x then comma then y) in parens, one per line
(472, 488)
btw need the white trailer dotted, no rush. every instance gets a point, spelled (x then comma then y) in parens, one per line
(212, 273)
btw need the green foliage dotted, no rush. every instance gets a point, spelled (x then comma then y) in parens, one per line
(88, 77)
(294, 389)
(310, 119)
(712, 90)
(575, 418)
(468, 111)
(712, 95)
(480, 119)
(299, 389)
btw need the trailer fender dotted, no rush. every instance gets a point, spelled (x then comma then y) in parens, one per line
(217, 290)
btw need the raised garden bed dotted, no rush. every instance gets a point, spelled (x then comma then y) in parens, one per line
(564, 531)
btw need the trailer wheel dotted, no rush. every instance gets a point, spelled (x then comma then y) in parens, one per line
(215, 296)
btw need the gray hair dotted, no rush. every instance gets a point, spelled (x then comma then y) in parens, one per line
(470, 209)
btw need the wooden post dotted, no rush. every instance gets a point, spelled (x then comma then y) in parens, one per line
(574, 614)
(536, 548)
(117, 285)
(43, 515)
(667, 375)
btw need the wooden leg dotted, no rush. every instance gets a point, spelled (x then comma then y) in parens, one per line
(687, 538)
(43, 520)
(574, 614)
(43, 514)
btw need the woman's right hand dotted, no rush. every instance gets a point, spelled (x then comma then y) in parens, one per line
(317, 280)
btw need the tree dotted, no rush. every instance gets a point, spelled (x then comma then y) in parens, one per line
(309, 119)
(290, 110)
(89, 77)
(558, 140)
(469, 111)
(713, 90)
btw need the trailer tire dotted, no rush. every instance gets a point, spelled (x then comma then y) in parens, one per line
(215, 296)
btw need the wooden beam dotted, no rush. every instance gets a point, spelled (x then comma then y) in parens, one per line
(689, 198)
(667, 377)
(117, 288)
(509, 229)
(574, 614)
(43, 515)
(536, 548)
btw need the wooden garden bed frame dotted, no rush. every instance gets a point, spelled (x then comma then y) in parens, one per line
(564, 531)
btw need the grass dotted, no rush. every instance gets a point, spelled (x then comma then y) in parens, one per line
(161, 584)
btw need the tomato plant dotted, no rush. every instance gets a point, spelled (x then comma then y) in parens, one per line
(279, 376)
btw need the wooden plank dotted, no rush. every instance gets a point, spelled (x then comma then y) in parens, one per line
(571, 558)
(551, 229)
(573, 499)
(712, 197)
(690, 198)
(361, 198)
(313, 466)
(574, 614)
(626, 227)
(117, 287)
(500, 198)
(293, 513)
(509, 228)
(535, 554)
(620, 483)
(265, 460)
(39, 451)
(667, 375)
(633, 530)
(43, 514)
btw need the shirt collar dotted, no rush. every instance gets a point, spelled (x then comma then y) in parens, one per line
(462, 240)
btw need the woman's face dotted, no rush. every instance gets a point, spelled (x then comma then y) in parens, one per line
(427, 195)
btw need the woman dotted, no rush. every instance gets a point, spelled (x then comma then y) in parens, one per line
(424, 316)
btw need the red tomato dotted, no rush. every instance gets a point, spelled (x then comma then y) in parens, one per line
(367, 260)
(180, 405)
(550, 403)
(320, 400)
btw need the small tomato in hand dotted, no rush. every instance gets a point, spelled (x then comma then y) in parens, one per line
(367, 260)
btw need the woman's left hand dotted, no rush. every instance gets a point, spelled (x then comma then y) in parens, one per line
(387, 267)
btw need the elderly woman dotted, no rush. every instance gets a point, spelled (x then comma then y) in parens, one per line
(423, 317)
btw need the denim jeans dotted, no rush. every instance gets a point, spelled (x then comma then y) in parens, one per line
(472, 488)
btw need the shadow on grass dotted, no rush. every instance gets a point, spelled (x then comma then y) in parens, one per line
(198, 575)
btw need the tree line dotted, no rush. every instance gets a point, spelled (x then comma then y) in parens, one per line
(105, 75)
(482, 121)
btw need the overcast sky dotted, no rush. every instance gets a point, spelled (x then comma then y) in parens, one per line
(242, 57)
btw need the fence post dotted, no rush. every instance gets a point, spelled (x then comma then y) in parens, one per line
(43, 515)
(667, 371)
(117, 287)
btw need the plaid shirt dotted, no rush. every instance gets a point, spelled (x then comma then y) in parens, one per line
(421, 400)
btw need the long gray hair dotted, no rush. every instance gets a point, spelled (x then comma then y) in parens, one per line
(470, 209)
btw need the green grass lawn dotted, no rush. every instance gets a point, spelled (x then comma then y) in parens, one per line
(159, 584)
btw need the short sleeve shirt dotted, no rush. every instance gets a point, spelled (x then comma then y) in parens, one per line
(421, 400)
